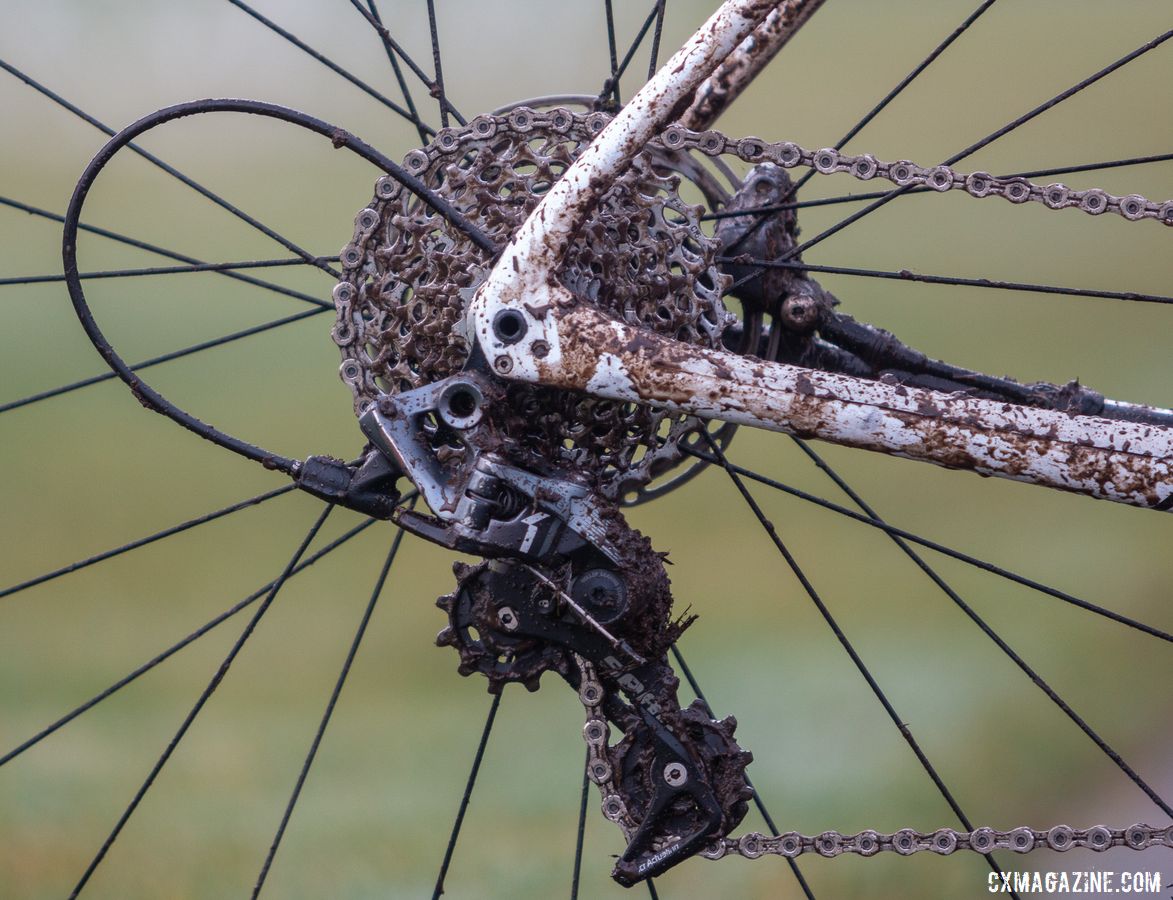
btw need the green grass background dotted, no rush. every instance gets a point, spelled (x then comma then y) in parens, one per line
(90, 470)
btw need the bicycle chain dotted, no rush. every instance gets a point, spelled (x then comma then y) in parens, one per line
(906, 174)
(943, 841)
(826, 161)
(905, 842)
(595, 732)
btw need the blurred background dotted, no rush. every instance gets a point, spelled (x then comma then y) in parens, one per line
(89, 470)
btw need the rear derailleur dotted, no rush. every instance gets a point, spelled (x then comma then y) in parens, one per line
(564, 585)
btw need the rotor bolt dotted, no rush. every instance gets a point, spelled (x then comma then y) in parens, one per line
(675, 775)
(507, 618)
(503, 364)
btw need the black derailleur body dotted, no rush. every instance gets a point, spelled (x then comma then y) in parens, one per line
(563, 580)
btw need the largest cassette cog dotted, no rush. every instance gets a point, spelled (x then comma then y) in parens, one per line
(641, 257)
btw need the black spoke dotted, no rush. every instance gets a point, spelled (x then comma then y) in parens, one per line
(809, 588)
(329, 711)
(992, 635)
(324, 60)
(914, 74)
(1091, 167)
(149, 539)
(221, 672)
(887, 99)
(389, 39)
(371, 14)
(464, 800)
(654, 62)
(166, 357)
(165, 270)
(655, 15)
(652, 890)
(905, 82)
(985, 141)
(179, 645)
(935, 546)
(161, 251)
(581, 831)
(757, 798)
(906, 275)
(438, 86)
(173, 172)
(612, 85)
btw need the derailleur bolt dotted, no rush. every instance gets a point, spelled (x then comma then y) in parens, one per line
(675, 775)
(508, 618)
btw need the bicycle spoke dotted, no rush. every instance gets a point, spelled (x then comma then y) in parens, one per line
(149, 539)
(809, 588)
(172, 171)
(581, 831)
(199, 704)
(165, 270)
(883, 103)
(652, 889)
(985, 141)
(654, 62)
(472, 779)
(371, 14)
(905, 275)
(161, 251)
(330, 705)
(656, 14)
(937, 547)
(757, 798)
(1091, 167)
(440, 94)
(166, 357)
(993, 635)
(324, 60)
(179, 645)
(915, 73)
(612, 85)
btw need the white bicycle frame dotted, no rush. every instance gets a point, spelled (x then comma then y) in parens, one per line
(569, 344)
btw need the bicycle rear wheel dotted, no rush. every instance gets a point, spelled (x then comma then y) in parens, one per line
(87, 471)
